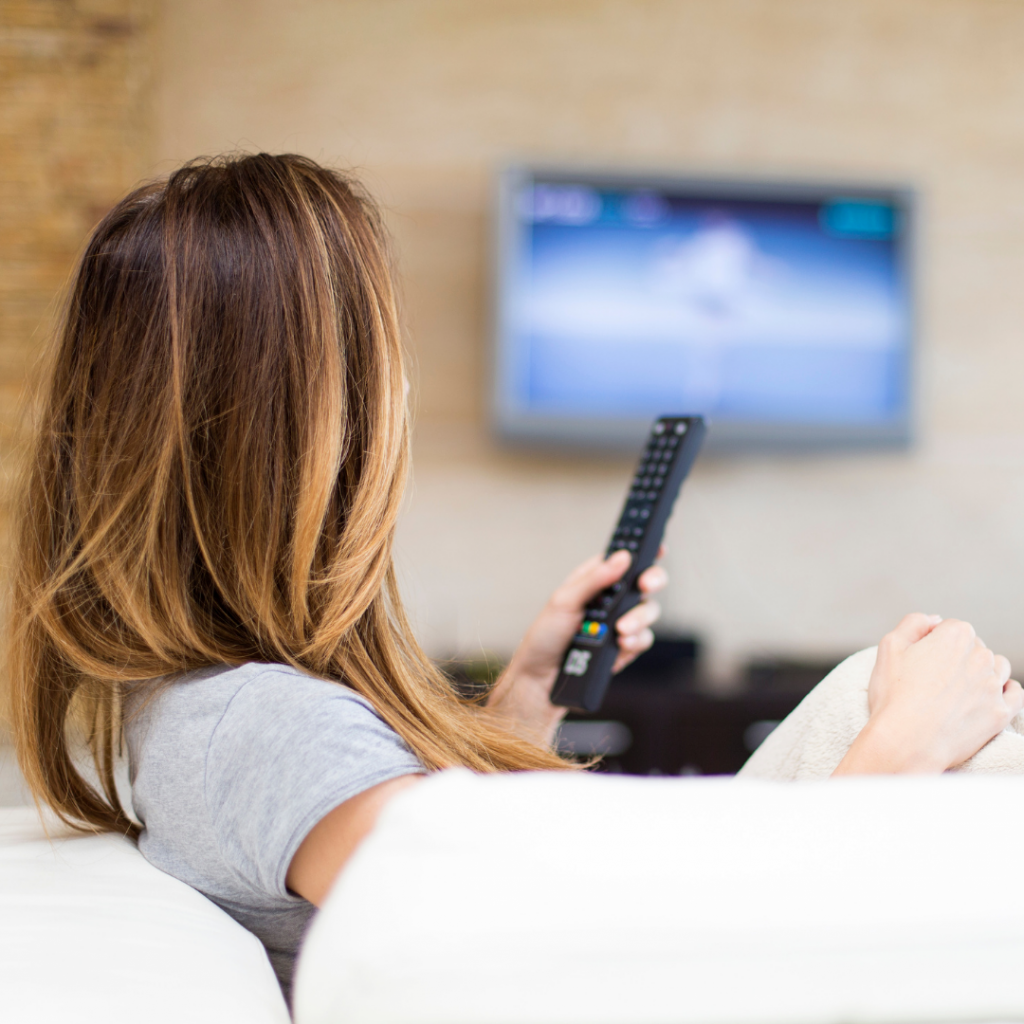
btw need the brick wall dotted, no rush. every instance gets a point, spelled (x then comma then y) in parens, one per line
(74, 135)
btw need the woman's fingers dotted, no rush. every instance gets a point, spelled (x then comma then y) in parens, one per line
(630, 648)
(596, 573)
(589, 579)
(583, 571)
(638, 618)
(634, 632)
(653, 580)
(1002, 669)
(914, 627)
(1013, 694)
(637, 642)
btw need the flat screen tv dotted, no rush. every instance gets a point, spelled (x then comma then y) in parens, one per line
(782, 312)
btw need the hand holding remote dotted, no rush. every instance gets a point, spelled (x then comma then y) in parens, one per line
(591, 657)
(523, 694)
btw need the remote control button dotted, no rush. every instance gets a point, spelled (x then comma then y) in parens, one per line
(673, 441)
(680, 428)
(659, 428)
(645, 513)
(638, 531)
(646, 482)
(632, 545)
(652, 495)
(658, 481)
(632, 513)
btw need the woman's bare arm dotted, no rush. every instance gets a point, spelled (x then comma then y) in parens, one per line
(327, 848)
(521, 697)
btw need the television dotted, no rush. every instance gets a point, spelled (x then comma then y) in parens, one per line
(783, 312)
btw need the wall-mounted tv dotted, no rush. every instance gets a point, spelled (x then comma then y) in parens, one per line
(782, 312)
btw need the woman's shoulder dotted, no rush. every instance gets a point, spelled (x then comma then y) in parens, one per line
(218, 686)
(253, 700)
(267, 675)
(258, 726)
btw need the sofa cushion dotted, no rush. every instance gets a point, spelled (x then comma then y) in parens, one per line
(90, 932)
(584, 899)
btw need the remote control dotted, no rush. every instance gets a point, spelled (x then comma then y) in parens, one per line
(587, 667)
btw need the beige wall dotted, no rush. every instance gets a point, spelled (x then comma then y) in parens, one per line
(426, 97)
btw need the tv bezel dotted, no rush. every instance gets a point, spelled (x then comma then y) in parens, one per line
(514, 426)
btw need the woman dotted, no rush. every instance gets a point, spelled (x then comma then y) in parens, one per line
(204, 559)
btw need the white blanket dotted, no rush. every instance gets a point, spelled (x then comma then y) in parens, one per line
(91, 933)
(554, 899)
(811, 741)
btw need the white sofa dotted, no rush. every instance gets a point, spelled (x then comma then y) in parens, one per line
(90, 933)
(548, 899)
(612, 900)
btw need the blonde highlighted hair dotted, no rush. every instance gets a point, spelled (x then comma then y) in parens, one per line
(217, 474)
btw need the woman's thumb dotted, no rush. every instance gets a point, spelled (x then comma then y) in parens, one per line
(582, 586)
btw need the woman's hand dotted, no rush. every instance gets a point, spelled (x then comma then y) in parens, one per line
(937, 695)
(523, 693)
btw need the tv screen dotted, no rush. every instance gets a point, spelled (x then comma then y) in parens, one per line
(781, 312)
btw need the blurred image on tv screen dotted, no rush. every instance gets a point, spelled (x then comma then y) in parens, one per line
(633, 302)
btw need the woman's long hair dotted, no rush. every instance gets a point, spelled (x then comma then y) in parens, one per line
(217, 473)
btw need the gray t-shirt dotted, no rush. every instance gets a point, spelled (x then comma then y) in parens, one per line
(231, 768)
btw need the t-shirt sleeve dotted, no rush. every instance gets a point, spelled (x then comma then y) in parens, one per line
(287, 751)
